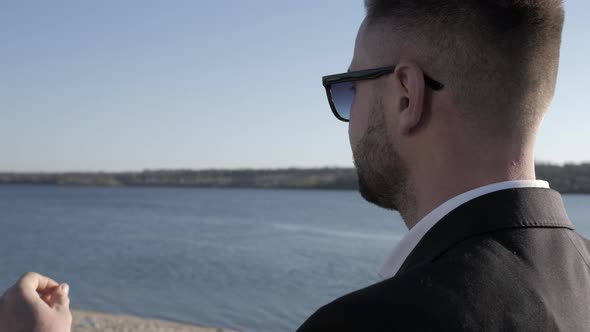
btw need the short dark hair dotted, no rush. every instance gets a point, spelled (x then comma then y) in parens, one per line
(499, 58)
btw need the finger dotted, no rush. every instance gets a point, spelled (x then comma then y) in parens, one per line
(47, 291)
(31, 284)
(47, 298)
(60, 300)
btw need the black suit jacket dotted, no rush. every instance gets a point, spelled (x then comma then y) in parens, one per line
(506, 261)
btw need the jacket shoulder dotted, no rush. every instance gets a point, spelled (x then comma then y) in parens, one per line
(582, 245)
(410, 302)
(493, 282)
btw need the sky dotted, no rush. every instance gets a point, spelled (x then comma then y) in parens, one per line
(139, 84)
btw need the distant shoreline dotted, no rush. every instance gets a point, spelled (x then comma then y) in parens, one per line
(171, 186)
(569, 178)
(201, 187)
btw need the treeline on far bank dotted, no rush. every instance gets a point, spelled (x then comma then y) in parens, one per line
(569, 178)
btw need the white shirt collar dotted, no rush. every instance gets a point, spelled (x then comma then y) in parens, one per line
(403, 249)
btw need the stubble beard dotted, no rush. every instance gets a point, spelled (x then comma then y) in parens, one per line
(382, 172)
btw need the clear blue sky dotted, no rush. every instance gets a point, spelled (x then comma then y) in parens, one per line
(130, 85)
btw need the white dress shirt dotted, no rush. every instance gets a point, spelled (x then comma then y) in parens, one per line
(411, 239)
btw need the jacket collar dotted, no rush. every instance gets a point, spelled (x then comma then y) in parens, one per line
(511, 208)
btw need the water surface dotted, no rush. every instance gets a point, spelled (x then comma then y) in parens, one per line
(252, 260)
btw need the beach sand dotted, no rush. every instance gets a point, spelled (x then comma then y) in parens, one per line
(88, 321)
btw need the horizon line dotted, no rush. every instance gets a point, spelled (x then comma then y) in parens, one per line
(164, 169)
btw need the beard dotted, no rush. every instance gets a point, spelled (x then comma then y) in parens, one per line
(382, 172)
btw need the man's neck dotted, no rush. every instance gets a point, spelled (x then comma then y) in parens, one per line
(434, 188)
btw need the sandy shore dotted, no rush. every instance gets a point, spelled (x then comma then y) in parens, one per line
(87, 321)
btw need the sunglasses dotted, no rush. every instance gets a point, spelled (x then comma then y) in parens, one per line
(341, 91)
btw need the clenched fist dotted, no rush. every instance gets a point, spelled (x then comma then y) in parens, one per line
(36, 304)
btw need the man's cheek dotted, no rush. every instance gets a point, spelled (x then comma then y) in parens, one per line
(353, 135)
(357, 127)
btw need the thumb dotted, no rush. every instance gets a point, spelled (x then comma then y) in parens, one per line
(61, 299)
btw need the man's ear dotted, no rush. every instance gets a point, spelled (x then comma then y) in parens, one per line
(410, 99)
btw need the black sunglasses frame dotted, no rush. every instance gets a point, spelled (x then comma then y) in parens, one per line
(362, 75)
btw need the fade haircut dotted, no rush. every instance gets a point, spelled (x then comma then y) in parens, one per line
(498, 58)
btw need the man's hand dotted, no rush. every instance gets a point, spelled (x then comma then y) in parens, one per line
(36, 304)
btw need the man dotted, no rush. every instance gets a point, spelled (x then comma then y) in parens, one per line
(444, 100)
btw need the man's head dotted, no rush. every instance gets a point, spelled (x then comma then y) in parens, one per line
(498, 62)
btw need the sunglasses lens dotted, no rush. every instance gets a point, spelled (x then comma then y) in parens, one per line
(342, 97)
